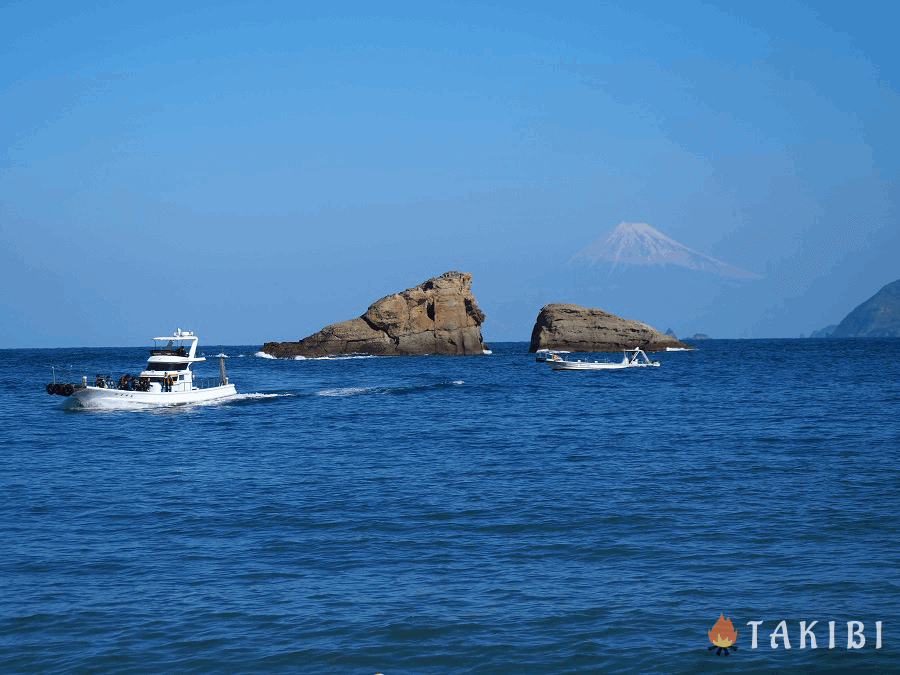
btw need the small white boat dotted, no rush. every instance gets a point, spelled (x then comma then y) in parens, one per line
(167, 380)
(633, 358)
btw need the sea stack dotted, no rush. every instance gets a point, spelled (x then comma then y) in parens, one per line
(581, 329)
(439, 316)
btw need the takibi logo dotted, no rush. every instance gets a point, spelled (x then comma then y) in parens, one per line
(722, 635)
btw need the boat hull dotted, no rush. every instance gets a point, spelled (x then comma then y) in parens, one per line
(587, 365)
(99, 397)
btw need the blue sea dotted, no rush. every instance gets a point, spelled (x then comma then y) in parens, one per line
(440, 514)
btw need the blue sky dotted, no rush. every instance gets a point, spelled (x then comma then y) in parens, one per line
(255, 171)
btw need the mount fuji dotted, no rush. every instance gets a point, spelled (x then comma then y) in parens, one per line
(636, 272)
(632, 244)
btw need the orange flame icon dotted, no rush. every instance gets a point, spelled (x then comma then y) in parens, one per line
(722, 634)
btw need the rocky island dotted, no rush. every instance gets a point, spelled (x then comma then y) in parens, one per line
(581, 329)
(439, 316)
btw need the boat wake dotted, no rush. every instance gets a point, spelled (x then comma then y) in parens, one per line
(347, 391)
(360, 391)
(257, 396)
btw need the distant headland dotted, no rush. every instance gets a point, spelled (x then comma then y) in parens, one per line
(879, 316)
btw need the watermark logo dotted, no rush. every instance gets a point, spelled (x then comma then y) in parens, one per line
(722, 635)
(855, 637)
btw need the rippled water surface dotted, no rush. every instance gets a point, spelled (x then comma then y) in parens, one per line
(456, 514)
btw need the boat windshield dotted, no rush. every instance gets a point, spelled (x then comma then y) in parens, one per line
(155, 365)
(179, 351)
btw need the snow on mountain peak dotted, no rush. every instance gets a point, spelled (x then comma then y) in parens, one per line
(641, 244)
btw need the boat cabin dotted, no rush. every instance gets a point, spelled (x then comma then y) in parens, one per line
(169, 365)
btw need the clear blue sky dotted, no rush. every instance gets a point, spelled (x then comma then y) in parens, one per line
(254, 171)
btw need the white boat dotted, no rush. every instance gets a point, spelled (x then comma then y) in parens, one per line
(633, 358)
(167, 379)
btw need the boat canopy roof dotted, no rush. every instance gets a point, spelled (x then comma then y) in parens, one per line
(179, 334)
(171, 353)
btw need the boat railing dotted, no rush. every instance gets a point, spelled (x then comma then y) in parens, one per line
(208, 382)
(68, 373)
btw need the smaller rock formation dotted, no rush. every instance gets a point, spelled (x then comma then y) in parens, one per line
(580, 329)
(823, 332)
(671, 334)
(439, 316)
(699, 336)
(879, 316)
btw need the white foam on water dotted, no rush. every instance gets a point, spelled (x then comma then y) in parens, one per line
(340, 357)
(486, 351)
(221, 355)
(122, 404)
(343, 357)
(457, 382)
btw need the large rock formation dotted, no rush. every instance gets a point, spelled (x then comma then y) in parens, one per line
(879, 316)
(439, 316)
(580, 329)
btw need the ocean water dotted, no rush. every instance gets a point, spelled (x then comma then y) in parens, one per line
(456, 514)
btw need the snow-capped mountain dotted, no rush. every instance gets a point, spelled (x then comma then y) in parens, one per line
(641, 244)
